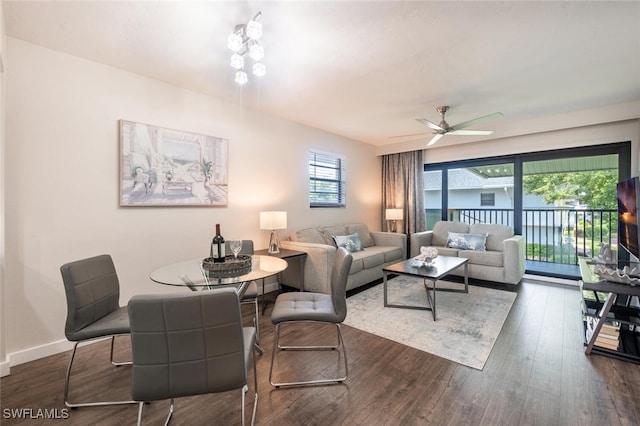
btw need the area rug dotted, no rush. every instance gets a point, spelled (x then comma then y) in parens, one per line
(466, 327)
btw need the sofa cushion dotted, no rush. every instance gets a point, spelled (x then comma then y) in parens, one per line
(329, 231)
(373, 259)
(447, 251)
(467, 241)
(393, 254)
(496, 234)
(308, 235)
(363, 232)
(488, 258)
(390, 254)
(442, 228)
(357, 263)
(387, 253)
(366, 259)
(351, 242)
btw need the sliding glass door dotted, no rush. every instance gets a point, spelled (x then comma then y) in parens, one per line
(563, 202)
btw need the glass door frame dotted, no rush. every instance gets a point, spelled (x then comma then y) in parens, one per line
(623, 149)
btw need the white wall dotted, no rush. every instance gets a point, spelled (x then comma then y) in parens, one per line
(62, 160)
(4, 368)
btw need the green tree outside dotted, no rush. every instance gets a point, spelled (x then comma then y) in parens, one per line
(596, 189)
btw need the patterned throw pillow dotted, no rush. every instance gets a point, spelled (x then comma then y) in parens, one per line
(467, 241)
(350, 242)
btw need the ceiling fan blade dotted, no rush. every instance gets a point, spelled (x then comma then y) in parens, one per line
(415, 135)
(430, 124)
(435, 139)
(475, 121)
(470, 132)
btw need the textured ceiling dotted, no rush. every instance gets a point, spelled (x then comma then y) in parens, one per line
(366, 69)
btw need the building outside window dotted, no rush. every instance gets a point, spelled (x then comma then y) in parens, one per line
(487, 199)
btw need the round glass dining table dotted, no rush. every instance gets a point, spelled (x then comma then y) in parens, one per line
(191, 274)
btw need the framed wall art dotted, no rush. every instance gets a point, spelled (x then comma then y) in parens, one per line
(165, 167)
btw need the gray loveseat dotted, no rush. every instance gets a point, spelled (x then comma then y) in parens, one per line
(380, 249)
(502, 261)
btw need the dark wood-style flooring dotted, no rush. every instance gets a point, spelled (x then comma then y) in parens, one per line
(537, 374)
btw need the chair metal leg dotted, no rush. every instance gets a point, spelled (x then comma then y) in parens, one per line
(277, 347)
(257, 321)
(86, 404)
(166, 422)
(117, 364)
(255, 386)
(256, 324)
(140, 407)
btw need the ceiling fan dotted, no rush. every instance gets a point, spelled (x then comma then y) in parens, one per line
(444, 129)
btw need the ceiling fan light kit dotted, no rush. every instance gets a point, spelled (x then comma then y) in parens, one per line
(442, 129)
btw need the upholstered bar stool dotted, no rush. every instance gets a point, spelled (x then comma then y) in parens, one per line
(190, 344)
(294, 307)
(92, 290)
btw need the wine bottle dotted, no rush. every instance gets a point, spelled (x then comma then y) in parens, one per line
(217, 246)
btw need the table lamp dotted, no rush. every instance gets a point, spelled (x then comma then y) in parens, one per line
(272, 220)
(393, 215)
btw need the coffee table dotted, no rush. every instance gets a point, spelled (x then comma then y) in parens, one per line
(442, 266)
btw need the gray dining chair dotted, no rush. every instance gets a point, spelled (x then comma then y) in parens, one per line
(250, 296)
(293, 307)
(92, 291)
(189, 344)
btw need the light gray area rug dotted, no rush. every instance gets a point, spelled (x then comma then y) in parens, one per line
(466, 327)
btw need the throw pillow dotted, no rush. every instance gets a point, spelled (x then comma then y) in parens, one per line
(467, 241)
(350, 242)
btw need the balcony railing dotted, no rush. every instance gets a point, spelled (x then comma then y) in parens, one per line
(553, 235)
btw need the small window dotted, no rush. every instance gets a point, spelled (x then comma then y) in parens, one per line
(326, 180)
(487, 199)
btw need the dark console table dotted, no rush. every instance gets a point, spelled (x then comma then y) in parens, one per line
(611, 315)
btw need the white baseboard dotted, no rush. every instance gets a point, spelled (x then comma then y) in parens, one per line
(4, 368)
(38, 352)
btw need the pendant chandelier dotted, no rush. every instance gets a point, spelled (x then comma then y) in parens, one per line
(244, 42)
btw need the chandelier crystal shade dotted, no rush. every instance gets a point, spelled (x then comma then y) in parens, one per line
(237, 61)
(241, 77)
(243, 41)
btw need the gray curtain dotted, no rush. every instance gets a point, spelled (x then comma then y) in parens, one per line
(403, 188)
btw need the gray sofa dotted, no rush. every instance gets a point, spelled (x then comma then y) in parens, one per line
(380, 249)
(503, 261)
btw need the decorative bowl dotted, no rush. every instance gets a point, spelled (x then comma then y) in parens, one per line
(231, 267)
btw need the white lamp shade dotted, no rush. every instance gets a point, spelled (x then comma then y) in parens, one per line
(273, 220)
(393, 214)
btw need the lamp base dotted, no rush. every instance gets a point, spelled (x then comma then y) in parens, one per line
(274, 243)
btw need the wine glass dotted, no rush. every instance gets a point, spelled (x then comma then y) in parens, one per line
(235, 246)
